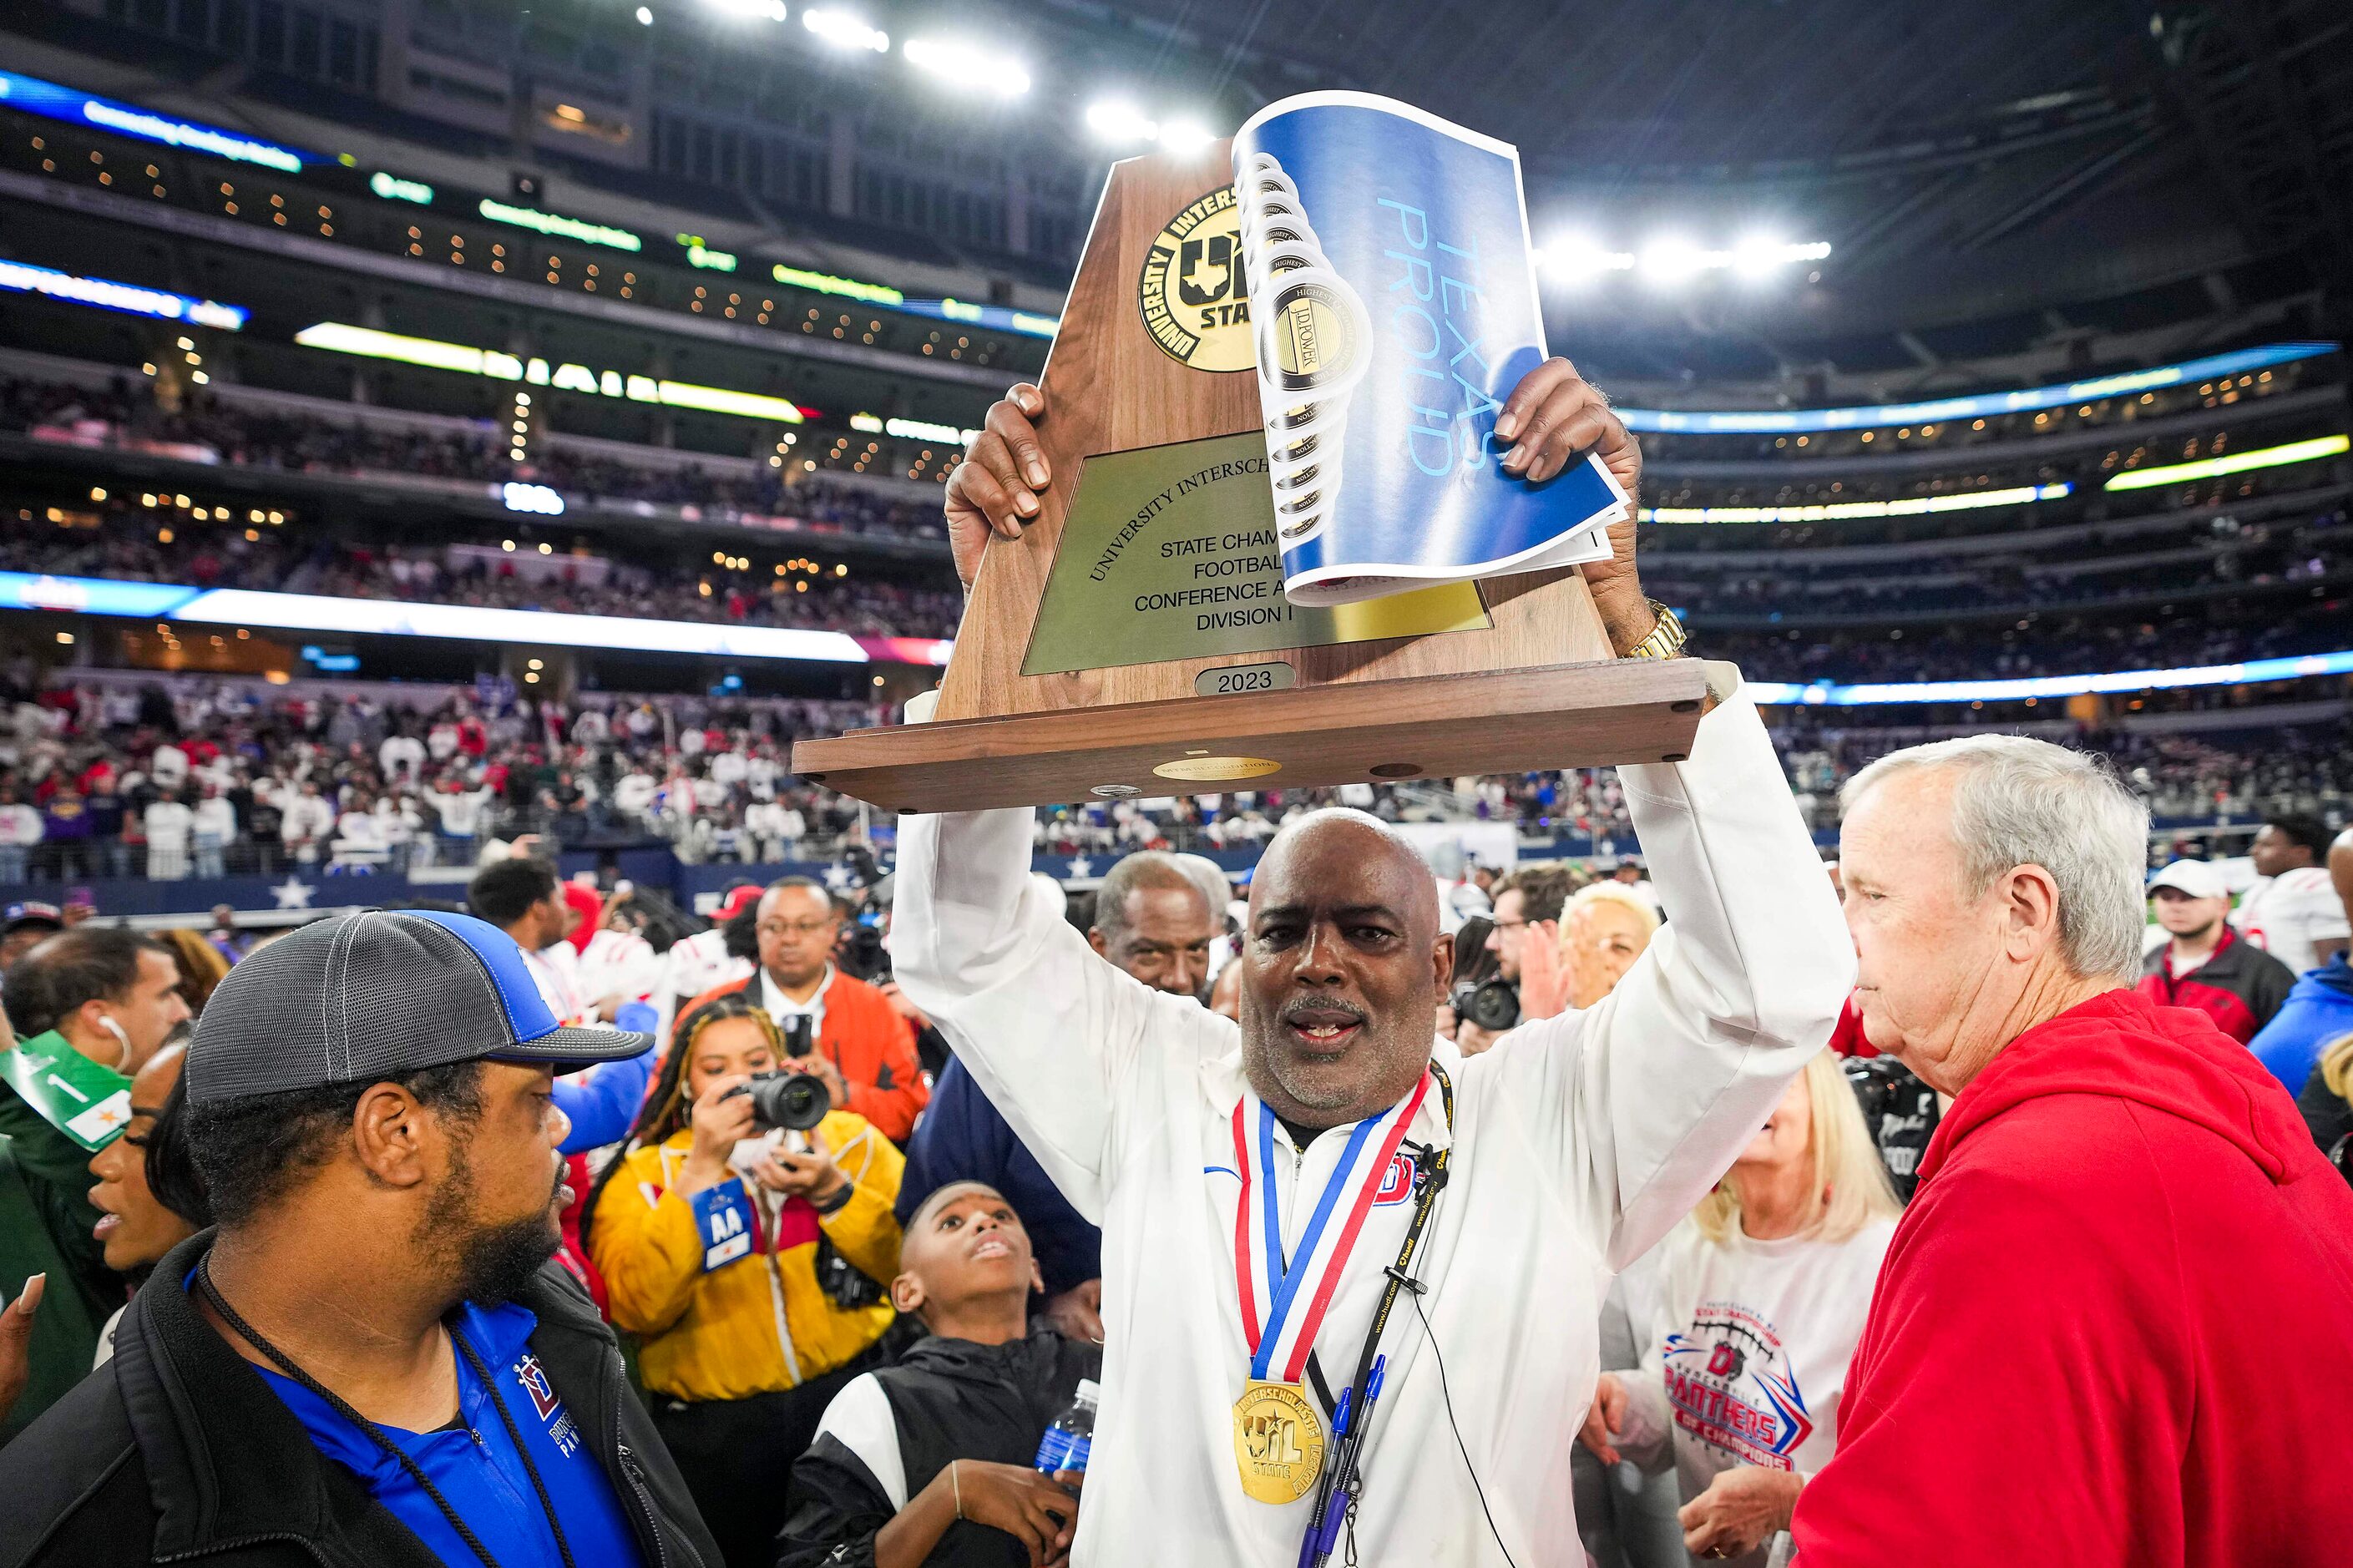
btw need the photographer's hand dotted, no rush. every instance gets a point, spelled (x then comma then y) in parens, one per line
(719, 1123)
(825, 1072)
(812, 1175)
(1543, 984)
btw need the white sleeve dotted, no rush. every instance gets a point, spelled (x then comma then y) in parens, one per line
(860, 1420)
(2315, 909)
(1642, 1101)
(1053, 1033)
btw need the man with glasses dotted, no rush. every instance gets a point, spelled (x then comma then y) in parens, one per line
(857, 1041)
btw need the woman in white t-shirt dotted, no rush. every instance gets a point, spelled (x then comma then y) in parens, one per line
(1762, 1294)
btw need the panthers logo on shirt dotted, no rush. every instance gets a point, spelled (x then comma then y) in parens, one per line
(1194, 292)
(1731, 1387)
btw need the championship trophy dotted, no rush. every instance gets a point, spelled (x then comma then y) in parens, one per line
(1205, 598)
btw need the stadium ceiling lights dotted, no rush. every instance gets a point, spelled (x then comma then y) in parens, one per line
(1120, 123)
(129, 297)
(1576, 260)
(846, 30)
(964, 62)
(2236, 463)
(369, 343)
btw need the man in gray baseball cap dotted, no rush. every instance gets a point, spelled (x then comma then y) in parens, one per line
(369, 1360)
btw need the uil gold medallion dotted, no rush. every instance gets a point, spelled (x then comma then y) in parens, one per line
(1278, 1441)
(1194, 293)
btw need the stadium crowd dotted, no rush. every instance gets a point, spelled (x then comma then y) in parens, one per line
(487, 569)
(192, 775)
(128, 412)
(895, 1191)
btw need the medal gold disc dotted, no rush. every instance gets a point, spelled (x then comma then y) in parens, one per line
(1277, 1441)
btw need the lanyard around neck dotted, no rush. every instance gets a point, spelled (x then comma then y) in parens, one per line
(377, 1433)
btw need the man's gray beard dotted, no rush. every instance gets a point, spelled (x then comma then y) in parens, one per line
(1264, 1063)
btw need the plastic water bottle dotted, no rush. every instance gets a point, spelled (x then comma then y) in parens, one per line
(1064, 1447)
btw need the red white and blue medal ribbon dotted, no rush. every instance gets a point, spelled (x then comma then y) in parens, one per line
(1283, 1302)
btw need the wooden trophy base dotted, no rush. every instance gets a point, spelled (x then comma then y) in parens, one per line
(1501, 722)
(1097, 650)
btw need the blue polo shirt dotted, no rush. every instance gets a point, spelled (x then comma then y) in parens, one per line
(478, 1468)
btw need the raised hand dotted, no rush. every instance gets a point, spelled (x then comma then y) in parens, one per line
(1553, 418)
(994, 490)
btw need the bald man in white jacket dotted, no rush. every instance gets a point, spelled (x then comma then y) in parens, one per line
(1571, 1147)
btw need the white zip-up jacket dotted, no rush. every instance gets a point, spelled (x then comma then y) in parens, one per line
(1578, 1141)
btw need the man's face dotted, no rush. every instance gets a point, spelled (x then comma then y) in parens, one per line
(1931, 979)
(146, 1014)
(495, 1212)
(796, 930)
(1342, 973)
(21, 941)
(2182, 915)
(1599, 942)
(2275, 852)
(1510, 928)
(1165, 943)
(962, 1247)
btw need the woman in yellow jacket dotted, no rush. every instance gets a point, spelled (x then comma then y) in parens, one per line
(752, 1267)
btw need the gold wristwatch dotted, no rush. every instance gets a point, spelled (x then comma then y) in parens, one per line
(1666, 638)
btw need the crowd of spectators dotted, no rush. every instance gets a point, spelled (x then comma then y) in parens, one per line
(2056, 645)
(657, 581)
(206, 778)
(2216, 555)
(243, 438)
(196, 777)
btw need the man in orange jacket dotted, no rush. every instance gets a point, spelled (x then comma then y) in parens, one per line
(863, 1048)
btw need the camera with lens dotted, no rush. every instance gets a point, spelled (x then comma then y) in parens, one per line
(1493, 1003)
(796, 1100)
(863, 955)
(1479, 994)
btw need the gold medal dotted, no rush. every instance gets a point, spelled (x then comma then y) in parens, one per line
(1278, 1441)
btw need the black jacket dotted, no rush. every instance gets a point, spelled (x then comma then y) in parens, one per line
(950, 1399)
(176, 1450)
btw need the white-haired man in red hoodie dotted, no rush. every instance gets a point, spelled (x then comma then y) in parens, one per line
(2115, 1325)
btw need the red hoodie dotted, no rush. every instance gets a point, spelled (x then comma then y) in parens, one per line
(2115, 1329)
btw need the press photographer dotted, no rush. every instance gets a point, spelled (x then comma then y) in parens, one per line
(863, 1046)
(744, 1237)
(1529, 899)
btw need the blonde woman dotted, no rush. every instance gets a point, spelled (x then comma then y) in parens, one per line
(1577, 961)
(1761, 1297)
